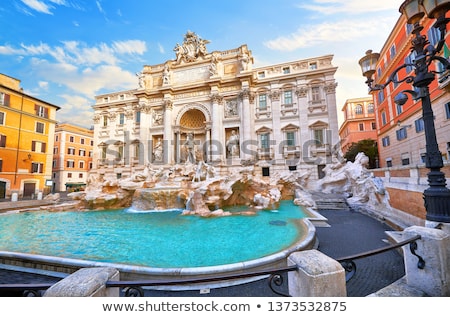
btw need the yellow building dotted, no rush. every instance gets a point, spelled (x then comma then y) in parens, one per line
(72, 157)
(27, 126)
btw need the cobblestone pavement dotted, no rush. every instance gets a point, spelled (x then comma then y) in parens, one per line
(349, 233)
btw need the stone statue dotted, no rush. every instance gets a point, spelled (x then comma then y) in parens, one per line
(231, 109)
(192, 48)
(189, 146)
(158, 151)
(233, 144)
(157, 118)
(141, 78)
(166, 75)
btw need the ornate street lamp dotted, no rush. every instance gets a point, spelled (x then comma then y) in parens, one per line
(437, 196)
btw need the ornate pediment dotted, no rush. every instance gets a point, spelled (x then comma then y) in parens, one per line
(192, 48)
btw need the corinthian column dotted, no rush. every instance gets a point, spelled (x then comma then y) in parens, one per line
(217, 146)
(246, 124)
(168, 135)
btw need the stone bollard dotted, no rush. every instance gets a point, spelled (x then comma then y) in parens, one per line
(434, 248)
(86, 282)
(317, 275)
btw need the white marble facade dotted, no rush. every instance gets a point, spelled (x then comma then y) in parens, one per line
(278, 117)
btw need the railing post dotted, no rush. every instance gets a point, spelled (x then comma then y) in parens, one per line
(434, 247)
(317, 275)
(86, 282)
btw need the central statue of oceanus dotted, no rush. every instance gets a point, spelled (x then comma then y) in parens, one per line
(192, 48)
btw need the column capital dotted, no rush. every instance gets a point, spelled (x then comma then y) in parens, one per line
(216, 98)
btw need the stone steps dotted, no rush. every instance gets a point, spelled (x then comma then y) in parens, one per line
(329, 201)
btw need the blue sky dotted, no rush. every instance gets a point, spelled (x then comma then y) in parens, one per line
(67, 51)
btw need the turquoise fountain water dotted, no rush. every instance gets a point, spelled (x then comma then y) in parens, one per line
(153, 239)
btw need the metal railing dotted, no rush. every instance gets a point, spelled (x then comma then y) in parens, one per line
(274, 276)
(350, 267)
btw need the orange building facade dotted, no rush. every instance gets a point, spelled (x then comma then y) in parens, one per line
(359, 122)
(401, 135)
(72, 157)
(27, 126)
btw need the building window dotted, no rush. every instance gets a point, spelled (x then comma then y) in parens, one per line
(81, 164)
(264, 138)
(91, 153)
(380, 96)
(37, 167)
(71, 151)
(383, 118)
(358, 109)
(80, 175)
(82, 152)
(419, 125)
(262, 102)
(55, 150)
(401, 134)
(315, 94)
(318, 136)
(2, 140)
(370, 108)
(69, 175)
(374, 125)
(56, 138)
(71, 139)
(40, 127)
(389, 162)
(288, 97)
(447, 110)
(122, 118)
(54, 164)
(41, 111)
(37, 146)
(138, 117)
(266, 171)
(290, 138)
(399, 109)
(1, 165)
(293, 167)
(405, 158)
(409, 61)
(392, 51)
(105, 121)
(434, 34)
(136, 151)
(82, 141)
(361, 127)
(2, 118)
(103, 154)
(91, 165)
(70, 164)
(4, 99)
(385, 141)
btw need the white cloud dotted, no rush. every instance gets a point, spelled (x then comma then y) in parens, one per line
(38, 6)
(130, 47)
(326, 33)
(161, 48)
(329, 7)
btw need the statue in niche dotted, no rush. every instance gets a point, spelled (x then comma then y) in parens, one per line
(158, 151)
(233, 144)
(166, 75)
(189, 147)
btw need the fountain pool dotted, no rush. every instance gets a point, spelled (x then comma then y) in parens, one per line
(162, 242)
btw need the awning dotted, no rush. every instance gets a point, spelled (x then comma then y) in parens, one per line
(75, 184)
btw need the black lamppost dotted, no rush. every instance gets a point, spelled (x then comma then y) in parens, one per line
(437, 195)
